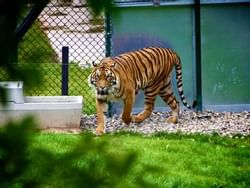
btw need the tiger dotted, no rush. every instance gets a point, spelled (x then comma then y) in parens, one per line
(122, 77)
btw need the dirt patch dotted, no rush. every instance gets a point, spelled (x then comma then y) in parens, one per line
(63, 130)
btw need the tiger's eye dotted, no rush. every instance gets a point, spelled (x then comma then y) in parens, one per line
(109, 78)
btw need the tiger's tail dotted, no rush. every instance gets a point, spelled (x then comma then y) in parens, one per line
(178, 69)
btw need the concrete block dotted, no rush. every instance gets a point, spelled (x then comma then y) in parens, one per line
(50, 111)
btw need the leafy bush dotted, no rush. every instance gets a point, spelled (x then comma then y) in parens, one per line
(15, 138)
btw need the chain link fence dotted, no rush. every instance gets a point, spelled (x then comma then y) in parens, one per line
(63, 23)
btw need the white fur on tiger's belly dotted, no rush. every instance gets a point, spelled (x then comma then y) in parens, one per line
(101, 97)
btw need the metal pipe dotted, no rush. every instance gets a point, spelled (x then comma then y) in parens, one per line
(107, 35)
(198, 54)
(108, 52)
(65, 69)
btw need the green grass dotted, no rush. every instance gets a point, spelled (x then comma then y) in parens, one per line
(77, 85)
(35, 47)
(165, 160)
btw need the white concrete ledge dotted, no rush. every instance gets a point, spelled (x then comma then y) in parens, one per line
(50, 111)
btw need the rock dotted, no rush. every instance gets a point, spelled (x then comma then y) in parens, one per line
(207, 122)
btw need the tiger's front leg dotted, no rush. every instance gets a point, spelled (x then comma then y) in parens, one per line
(127, 109)
(101, 108)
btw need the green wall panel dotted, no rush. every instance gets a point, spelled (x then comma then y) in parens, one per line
(225, 47)
(166, 26)
(225, 54)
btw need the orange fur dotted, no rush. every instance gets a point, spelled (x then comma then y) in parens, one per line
(121, 77)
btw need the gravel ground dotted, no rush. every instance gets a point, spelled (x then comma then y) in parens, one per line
(225, 123)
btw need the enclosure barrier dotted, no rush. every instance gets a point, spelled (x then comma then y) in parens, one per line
(221, 81)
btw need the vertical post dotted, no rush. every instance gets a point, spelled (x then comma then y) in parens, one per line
(108, 51)
(107, 35)
(65, 69)
(198, 54)
(29, 19)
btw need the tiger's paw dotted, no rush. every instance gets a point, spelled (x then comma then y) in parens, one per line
(99, 131)
(137, 118)
(126, 120)
(172, 119)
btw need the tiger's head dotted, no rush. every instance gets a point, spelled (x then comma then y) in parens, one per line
(104, 79)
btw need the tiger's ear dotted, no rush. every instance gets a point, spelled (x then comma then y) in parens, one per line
(113, 64)
(94, 64)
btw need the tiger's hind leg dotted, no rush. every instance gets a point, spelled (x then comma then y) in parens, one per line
(148, 108)
(150, 96)
(168, 97)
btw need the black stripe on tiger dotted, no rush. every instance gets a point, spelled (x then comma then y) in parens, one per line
(136, 67)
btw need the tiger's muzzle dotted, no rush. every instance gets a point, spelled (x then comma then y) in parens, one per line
(102, 91)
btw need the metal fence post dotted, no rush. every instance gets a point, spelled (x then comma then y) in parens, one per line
(65, 69)
(198, 54)
(108, 51)
(107, 35)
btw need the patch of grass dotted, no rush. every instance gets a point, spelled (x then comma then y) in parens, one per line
(96, 29)
(96, 20)
(35, 47)
(169, 160)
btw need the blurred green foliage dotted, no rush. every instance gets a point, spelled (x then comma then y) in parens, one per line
(86, 164)
(15, 138)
